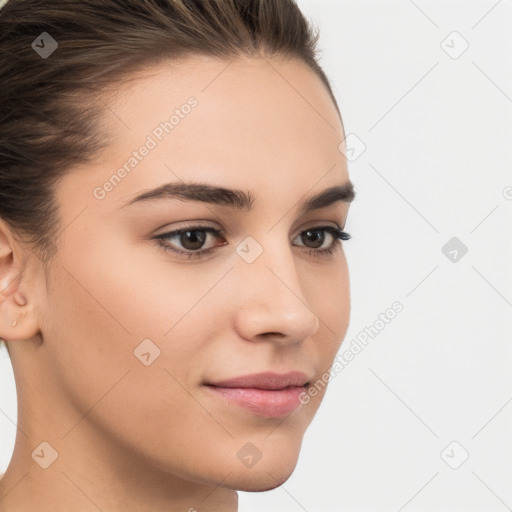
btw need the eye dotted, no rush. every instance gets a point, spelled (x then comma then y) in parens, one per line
(316, 236)
(193, 238)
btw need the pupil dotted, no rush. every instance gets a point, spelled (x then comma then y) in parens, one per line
(319, 237)
(192, 237)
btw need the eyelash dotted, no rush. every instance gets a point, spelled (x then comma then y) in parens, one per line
(338, 235)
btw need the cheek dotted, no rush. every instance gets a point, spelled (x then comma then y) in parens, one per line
(112, 311)
(100, 315)
(127, 289)
(332, 305)
(330, 299)
(102, 305)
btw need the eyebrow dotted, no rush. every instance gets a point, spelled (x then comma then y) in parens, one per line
(239, 199)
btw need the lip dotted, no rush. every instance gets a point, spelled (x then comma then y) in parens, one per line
(268, 394)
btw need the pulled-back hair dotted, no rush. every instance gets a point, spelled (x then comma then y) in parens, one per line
(51, 107)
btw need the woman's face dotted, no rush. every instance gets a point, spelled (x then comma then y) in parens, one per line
(134, 333)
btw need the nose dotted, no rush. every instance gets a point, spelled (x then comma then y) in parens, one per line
(271, 304)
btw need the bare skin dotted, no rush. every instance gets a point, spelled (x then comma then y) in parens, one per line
(131, 436)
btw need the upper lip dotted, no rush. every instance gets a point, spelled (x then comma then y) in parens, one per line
(265, 380)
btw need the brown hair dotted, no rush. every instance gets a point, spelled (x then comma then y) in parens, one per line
(50, 108)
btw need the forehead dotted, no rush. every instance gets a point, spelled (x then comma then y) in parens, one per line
(255, 123)
(265, 97)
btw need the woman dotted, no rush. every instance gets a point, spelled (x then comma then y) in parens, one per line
(173, 200)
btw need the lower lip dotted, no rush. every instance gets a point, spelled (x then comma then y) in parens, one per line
(263, 402)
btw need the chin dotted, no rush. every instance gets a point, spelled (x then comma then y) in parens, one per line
(263, 478)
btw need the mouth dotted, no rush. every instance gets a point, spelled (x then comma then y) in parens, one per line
(268, 394)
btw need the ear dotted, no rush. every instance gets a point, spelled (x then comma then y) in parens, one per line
(18, 319)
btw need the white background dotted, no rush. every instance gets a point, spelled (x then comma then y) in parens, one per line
(437, 164)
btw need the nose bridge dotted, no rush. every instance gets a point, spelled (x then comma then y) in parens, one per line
(272, 301)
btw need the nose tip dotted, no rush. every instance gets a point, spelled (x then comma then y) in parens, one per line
(277, 327)
(279, 315)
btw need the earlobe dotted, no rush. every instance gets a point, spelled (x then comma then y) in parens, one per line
(17, 314)
(17, 319)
